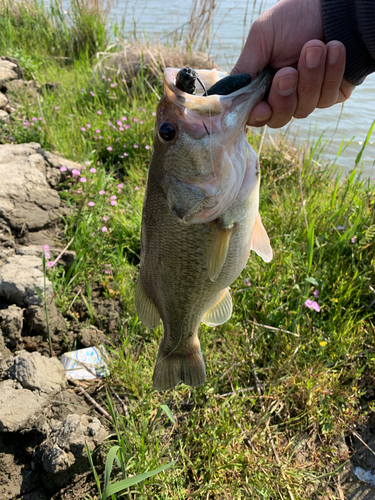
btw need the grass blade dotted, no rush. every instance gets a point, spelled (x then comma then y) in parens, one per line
(131, 481)
(310, 246)
(109, 464)
(359, 156)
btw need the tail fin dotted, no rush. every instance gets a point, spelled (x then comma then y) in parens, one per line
(172, 369)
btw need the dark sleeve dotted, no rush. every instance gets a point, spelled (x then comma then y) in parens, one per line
(352, 22)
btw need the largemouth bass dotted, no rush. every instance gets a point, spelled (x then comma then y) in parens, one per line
(200, 219)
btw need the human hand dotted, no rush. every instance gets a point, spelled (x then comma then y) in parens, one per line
(290, 36)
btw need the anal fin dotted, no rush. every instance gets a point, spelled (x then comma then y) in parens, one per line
(146, 309)
(221, 311)
(260, 241)
(218, 251)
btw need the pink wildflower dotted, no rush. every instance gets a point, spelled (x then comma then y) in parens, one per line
(113, 203)
(83, 179)
(114, 197)
(311, 304)
(98, 131)
(136, 188)
(247, 282)
(91, 204)
(135, 146)
(93, 170)
(51, 263)
(83, 129)
(104, 229)
(63, 169)
(120, 185)
(105, 219)
(147, 147)
(99, 112)
(109, 148)
(75, 172)
(353, 239)
(45, 247)
(316, 293)
(153, 113)
(101, 192)
(123, 118)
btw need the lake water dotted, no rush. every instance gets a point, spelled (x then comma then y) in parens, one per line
(155, 18)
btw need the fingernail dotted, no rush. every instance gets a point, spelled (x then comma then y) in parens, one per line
(313, 56)
(334, 53)
(286, 85)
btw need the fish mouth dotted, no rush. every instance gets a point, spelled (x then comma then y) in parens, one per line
(215, 104)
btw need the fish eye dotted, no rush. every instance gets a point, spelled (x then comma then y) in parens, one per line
(167, 131)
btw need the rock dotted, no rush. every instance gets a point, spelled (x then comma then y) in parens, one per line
(18, 405)
(4, 351)
(18, 278)
(11, 63)
(3, 100)
(26, 199)
(16, 479)
(11, 323)
(36, 372)
(6, 240)
(55, 175)
(36, 319)
(66, 259)
(6, 73)
(107, 313)
(91, 337)
(14, 85)
(63, 452)
(4, 117)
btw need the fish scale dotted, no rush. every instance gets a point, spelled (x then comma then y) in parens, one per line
(200, 219)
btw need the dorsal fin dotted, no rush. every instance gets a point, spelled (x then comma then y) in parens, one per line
(260, 241)
(220, 312)
(218, 251)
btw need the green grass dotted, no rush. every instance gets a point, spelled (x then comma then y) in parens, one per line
(80, 32)
(316, 368)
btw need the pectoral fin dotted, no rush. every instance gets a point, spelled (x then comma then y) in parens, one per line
(220, 312)
(146, 309)
(260, 241)
(218, 251)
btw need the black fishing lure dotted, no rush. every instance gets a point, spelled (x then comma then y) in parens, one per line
(186, 80)
(229, 84)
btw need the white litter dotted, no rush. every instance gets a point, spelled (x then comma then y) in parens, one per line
(365, 476)
(85, 364)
